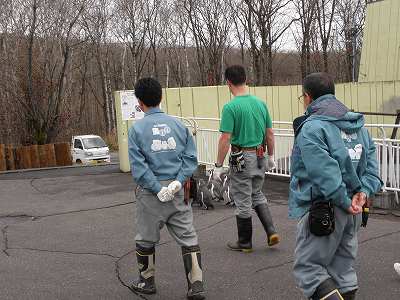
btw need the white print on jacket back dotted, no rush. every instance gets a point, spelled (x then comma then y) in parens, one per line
(161, 129)
(159, 145)
(162, 145)
(355, 151)
(355, 154)
(348, 137)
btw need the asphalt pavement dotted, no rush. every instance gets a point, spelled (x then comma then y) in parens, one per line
(69, 234)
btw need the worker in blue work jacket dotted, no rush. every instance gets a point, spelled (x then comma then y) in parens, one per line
(162, 156)
(333, 172)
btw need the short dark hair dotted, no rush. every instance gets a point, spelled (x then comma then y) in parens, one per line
(149, 91)
(236, 74)
(318, 84)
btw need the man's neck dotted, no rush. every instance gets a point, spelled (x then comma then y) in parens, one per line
(240, 90)
(145, 108)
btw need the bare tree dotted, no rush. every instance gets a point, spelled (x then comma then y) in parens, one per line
(50, 42)
(272, 21)
(155, 31)
(97, 26)
(305, 9)
(11, 25)
(174, 44)
(241, 35)
(217, 17)
(131, 22)
(210, 22)
(191, 10)
(244, 19)
(350, 24)
(326, 10)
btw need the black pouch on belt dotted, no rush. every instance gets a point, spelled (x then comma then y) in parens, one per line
(236, 161)
(365, 214)
(321, 218)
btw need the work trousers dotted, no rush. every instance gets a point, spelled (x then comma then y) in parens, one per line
(333, 256)
(152, 215)
(246, 186)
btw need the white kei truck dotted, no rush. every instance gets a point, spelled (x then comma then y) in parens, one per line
(89, 149)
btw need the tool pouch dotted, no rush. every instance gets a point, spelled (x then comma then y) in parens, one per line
(260, 156)
(187, 186)
(321, 218)
(365, 214)
(236, 161)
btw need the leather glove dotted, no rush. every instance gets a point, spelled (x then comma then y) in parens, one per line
(217, 172)
(271, 163)
(165, 195)
(174, 186)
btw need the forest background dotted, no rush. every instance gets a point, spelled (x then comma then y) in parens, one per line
(61, 60)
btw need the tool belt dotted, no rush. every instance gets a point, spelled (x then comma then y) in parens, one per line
(236, 159)
(321, 219)
(235, 148)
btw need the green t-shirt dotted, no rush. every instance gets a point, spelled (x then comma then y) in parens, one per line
(246, 118)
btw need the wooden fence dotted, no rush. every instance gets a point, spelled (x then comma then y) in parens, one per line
(34, 156)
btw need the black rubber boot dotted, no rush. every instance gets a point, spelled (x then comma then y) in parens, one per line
(245, 232)
(327, 291)
(194, 274)
(351, 295)
(265, 217)
(146, 261)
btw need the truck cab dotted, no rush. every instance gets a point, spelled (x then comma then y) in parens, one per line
(89, 149)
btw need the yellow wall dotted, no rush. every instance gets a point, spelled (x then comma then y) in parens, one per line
(380, 57)
(282, 102)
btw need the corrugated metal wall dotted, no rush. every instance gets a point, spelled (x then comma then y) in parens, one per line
(282, 100)
(380, 57)
(207, 102)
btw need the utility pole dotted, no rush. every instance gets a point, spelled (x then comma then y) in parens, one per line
(354, 33)
(353, 75)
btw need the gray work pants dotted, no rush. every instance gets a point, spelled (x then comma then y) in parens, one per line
(332, 256)
(246, 186)
(152, 215)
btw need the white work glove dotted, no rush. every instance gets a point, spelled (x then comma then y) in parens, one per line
(217, 172)
(165, 195)
(271, 163)
(174, 186)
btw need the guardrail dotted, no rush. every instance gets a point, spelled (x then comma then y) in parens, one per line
(388, 149)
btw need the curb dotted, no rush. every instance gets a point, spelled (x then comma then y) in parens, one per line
(57, 168)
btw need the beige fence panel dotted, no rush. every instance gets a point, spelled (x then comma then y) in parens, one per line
(205, 105)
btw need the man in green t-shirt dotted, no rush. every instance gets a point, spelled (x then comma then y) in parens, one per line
(246, 127)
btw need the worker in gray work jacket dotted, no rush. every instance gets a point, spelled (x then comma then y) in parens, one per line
(162, 156)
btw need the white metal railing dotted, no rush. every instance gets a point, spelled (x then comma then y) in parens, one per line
(388, 150)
